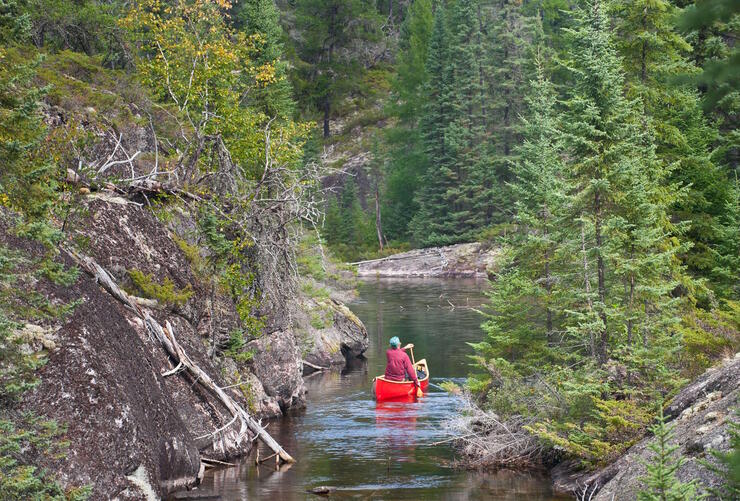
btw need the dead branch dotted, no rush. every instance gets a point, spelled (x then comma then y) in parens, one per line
(313, 366)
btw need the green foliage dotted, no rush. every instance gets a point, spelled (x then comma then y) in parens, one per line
(87, 26)
(476, 67)
(329, 29)
(348, 230)
(729, 464)
(314, 291)
(661, 481)
(707, 336)
(28, 179)
(582, 326)
(24, 438)
(20, 303)
(235, 347)
(166, 292)
(21, 439)
(260, 18)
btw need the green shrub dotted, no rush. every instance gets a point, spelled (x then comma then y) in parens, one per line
(165, 293)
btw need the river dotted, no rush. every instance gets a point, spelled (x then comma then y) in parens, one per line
(366, 450)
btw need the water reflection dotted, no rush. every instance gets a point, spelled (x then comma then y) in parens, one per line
(395, 423)
(370, 450)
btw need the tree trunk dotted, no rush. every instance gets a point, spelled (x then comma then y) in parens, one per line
(378, 224)
(587, 285)
(600, 268)
(326, 117)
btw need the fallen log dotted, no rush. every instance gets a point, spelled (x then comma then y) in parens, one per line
(166, 336)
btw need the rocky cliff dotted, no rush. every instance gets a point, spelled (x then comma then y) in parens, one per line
(699, 414)
(136, 427)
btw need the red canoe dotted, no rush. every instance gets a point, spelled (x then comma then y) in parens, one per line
(385, 389)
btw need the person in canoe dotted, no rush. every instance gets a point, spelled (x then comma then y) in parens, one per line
(399, 366)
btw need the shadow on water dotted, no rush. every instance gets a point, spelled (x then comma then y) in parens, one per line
(370, 450)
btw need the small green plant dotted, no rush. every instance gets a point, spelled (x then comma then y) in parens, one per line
(165, 292)
(57, 272)
(661, 481)
(235, 347)
(729, 465)
(192, 254)
(314, 290)
(319, 320)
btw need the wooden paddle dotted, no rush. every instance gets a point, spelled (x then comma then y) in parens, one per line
(419, 393)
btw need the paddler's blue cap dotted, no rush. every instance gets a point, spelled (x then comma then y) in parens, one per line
(395, 342)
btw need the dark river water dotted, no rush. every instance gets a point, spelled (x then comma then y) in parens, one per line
(367, 450)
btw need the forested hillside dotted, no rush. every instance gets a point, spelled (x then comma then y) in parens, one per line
(161, 281)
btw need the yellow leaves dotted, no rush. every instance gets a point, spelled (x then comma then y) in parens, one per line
(265, 74)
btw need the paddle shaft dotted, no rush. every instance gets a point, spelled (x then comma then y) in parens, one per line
(419, 393)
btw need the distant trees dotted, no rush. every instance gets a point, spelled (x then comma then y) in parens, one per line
(331, 33)
(470, 117)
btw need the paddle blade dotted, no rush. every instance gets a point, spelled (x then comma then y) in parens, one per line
(419, 393)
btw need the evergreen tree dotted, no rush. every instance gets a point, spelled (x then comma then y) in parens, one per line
(511, 35)
(654, 56)
(524, 297)
(729, 464)
(454, 202)
(405, 157)
(662, 484)
(466, 135)
(431, 225)
(619, 200)
(261, 18)
(27, 178)
(328, 30)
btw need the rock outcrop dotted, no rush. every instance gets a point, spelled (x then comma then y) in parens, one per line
(334, 337)
(462, 260)
(699, 415)
(134, 431)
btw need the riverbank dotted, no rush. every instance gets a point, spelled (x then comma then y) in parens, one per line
(699, 415)
(469, 260)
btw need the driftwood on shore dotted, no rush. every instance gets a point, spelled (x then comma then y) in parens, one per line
(166, 336)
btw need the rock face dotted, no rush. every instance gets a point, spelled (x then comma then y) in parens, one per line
(334, 337)
(132, 431)
(461, 260)
(277, 365)
(699, 413)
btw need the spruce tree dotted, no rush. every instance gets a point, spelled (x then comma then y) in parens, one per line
(466, 135)
(406, 160)
(620, 202)
(526, 316)
(511, 36)
(327, 69)
(655, 56)
(431, 225)
(661, 481)
(455, 198)
(261, 19)
(28, 179)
